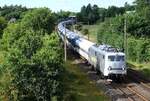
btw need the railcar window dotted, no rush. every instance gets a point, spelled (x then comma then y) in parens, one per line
(111, 58)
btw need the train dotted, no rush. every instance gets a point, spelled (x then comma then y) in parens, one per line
(105, 59)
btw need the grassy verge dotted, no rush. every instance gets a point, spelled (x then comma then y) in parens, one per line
(80, 88)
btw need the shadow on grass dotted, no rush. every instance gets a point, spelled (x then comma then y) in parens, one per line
(138, 74)
(146, 72)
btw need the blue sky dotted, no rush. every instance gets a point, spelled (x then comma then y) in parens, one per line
(67, 5)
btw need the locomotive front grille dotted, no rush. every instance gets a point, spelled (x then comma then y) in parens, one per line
(116, 68)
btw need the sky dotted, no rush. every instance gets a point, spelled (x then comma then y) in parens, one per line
(66, 5)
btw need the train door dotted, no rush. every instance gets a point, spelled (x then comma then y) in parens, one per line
(89, 58)
(90, 55)
(102, 62)
(98, 61)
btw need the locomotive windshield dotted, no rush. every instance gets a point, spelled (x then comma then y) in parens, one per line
(115, 58)
(111, 58)
(119, 58)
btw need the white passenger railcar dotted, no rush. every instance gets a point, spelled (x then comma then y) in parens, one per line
(104, 58)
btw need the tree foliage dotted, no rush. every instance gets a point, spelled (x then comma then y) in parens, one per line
(33, 58)
(78, 27)
(39, 19)
(92, 14)
(89, 14)
(138, 26)
(143, 8)
(12, 11)
(3, 24)
(61, 15)
(85, 31)
(112, 32)
(113, 11)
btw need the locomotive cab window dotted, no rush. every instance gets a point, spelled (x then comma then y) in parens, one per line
(115, 58)
(111, 58)
(95, 53)
(120, 58)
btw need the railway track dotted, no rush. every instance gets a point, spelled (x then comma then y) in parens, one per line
(141, 96)
(124, 93)
(131, 92)
(145, 85)
(140, 80)
(135, 86)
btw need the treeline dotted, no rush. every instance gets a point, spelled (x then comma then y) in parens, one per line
(31, 65)
(91, 14)
(138, 32)
(10, 14)
(12, 11)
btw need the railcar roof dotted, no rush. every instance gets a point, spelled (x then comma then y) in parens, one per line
(101, 49)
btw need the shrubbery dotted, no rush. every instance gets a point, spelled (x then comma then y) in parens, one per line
(33, 59)
(3, 24)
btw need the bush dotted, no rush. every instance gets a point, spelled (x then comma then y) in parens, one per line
(78, 27)
(85, 31)
(39, 19)
(3, 24)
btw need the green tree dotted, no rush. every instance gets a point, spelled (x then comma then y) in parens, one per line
(12, 11)
(39, 19)
(86, 32)
(12, 33)
(113, 11)
(102, 14)
(78, 27)
(129, 7)
(143, 8)
(63, 14)
(82, 16)
(34, 60)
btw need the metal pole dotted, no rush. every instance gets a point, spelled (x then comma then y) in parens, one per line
(65, 51)
(88, 32)
(125, 35)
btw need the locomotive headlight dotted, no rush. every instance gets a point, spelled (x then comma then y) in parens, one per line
(123, 67)
(109, 68)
